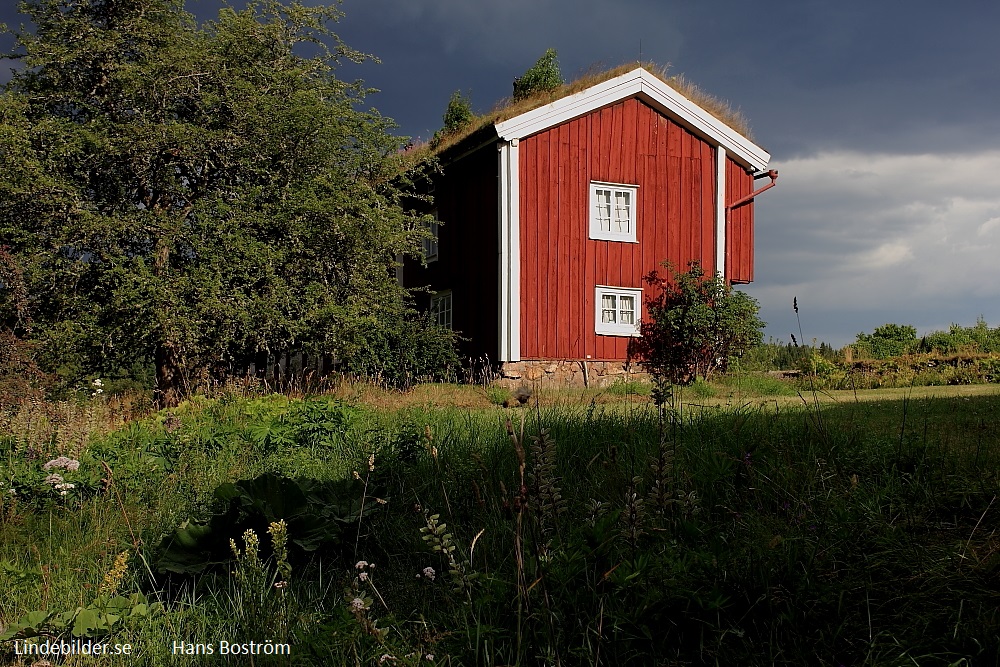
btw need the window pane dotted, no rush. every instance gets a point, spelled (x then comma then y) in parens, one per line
(626, 305)
(431, 243)
(608, 309)
(623, 206)
(441, 310)
(603, 198)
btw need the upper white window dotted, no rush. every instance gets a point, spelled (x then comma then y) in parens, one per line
(441, 308)
(430, 243)
(618, 310)
(612, 212)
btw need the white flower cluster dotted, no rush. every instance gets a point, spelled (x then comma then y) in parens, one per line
(428, 573)
(60, 485)
(98, 387)
(63, 462)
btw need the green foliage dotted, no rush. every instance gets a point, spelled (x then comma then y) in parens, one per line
(399, 351)
(774, 356)
(628, 388)
(498, 395)
(758, 384)
(609, 534)
(888, 340)
(316, 514)
(694, 326)
(458, 114)
(191, 195)
(96, 620)
(979, 338)
(543, 76)
(702, 389)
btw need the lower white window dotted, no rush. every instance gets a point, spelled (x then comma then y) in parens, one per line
(441, 308)
(618, 310)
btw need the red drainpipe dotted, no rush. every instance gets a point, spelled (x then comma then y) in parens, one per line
(773, 174)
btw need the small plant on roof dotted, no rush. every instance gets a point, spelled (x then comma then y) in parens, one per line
(458, 114)
(544, 76)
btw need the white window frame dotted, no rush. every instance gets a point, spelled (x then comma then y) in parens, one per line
(615, 190)
(616, 328)
(442, 308)
(431, 247)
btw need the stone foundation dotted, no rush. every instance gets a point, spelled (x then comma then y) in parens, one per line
(569, 373)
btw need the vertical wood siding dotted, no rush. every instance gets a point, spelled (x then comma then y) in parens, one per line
(626, 143)
(465, 197)
(739, 231)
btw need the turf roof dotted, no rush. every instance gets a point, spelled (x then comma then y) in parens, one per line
(507, 108)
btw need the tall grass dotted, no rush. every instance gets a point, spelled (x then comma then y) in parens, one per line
(574, 534)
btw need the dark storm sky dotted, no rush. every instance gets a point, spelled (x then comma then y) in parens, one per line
(883, 118)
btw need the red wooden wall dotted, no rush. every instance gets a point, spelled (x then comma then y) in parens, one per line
(628, 143)
(739, 230)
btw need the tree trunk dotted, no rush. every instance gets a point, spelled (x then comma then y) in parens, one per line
(169, 380)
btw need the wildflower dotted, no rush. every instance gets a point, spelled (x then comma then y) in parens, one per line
(430, 656)
(54, 479)
(430, 573)
(386, 658)
(371, 463)
(62, 462)
(357, 604)
(113, 579)
(98, 387)
(361, 564)
(281, 584)
(363, 576)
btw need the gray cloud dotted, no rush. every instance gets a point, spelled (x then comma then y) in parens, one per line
(871, 238)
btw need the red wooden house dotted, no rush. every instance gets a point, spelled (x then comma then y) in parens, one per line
(551, 219)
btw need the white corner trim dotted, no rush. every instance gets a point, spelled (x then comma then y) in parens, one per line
(509, 255)
(658, 94)
(720, 211)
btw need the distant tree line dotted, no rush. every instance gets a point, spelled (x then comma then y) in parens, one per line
(893, 340)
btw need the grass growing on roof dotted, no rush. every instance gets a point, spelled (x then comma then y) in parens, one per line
(508, 108)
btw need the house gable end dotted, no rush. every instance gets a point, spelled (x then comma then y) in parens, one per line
(651, 90)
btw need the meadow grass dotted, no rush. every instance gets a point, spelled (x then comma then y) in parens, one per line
(742, 527)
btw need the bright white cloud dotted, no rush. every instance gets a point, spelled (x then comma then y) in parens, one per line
(865, 239)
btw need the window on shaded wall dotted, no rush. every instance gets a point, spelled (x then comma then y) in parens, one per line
(441, 308)
(612, 212)
(618, 310)
(430, 243)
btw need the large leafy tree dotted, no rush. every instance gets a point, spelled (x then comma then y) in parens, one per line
(195, 194)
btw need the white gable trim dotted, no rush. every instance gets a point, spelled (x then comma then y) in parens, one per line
(509, 205)
(649, 88)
